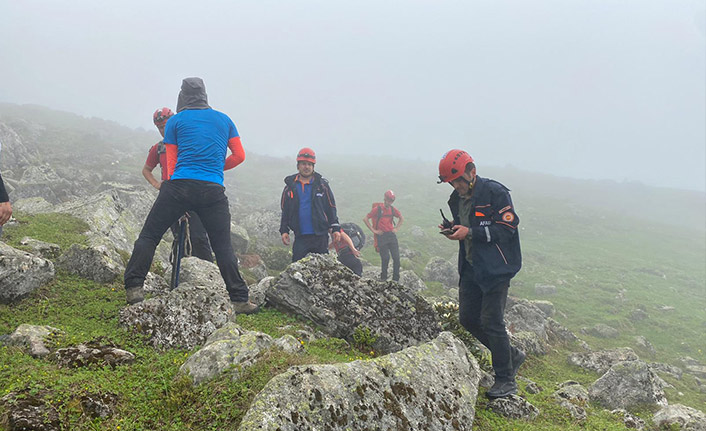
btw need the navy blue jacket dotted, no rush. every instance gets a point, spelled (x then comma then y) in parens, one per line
(496, 243)
(323, 206)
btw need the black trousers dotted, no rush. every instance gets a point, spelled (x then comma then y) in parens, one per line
(209, 201)
(483, 315)
(347, 258)
(305, 244)
(200, 247)
(388, 246)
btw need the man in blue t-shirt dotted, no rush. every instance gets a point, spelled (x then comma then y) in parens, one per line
(196, 141)
(308, 208)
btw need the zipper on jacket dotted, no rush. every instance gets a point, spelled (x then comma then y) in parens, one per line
(501, 253)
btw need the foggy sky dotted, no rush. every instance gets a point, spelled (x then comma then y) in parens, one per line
(588, 89)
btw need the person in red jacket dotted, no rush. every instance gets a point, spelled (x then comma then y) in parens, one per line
(157, 155)
(381, 221)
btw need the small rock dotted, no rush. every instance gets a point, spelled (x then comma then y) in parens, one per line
(688, 419)
(544, 289)
(513, 407)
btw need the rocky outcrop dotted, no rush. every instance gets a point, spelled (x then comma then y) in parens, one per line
(513, 407)
(98, 263)
(441, 270)
(229, 348)
(43, 249)
(183, 318)
(628, 385)
(96, 352)
(601, 361)
(629, 420)
(324, 291)
(572, 397)
(430, 387)
(30, 410)
(259, 291)
(239, 238)
(412, 281)
(688, 419)
(531, 328)
(198, 272)
(601, 330)
(21, 273)
(33, 338)
(263, 226)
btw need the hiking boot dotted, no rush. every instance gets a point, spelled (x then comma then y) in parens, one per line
(502, 389)
(134, 294)
(517, 360)
(245, 307)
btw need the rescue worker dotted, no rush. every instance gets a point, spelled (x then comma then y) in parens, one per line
(196, 140)
(158, 156)
(381, 221)
(485, 226)
(347, 253)
(308, 209)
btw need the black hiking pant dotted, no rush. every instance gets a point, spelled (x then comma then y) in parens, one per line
(482, 314)
(347, 258)
(305, 244)
(388, 246)
(200, 247)
(209, 201)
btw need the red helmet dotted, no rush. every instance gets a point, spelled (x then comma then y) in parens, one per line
(161, 116)
(390, 195)
(453, 164)
(306, 155)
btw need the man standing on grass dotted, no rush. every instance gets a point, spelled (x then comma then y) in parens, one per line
(308, 209)
(196, 141)
(385, 229)
(485, 226)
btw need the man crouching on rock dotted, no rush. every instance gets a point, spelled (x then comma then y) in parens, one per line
(485, 225)
(196, 140)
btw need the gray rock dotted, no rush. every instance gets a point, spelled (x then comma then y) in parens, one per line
(629, 420)
(531, 387)
(21, 273)
(93, 353)
(183, 318)
(239, 238)
(258, 292)
(572, 391)
(601, 330)
(263, 226)
(408, 253)
(601, 361)
(33, 338)
(29, 411)
(324, 291)
(642, 343)
(97, 263)
(155, 284)
(254, 264)
(373, 272)
(523, 316)
(486, 380)
(528, 342)
(430, 387)
(544, 289)
(696, 370)
(638, 314)
(628, 385)
(43, 249)
(513, 407)
(441, 270)
(688, 419)
(417, 232)
(412, 281)
(99, 405)
(545, 306)
(198, 272)
(229, 348)
(289, 344)
(577, 412)
(34, 205)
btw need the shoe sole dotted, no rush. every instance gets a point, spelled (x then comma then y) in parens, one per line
(503, 395)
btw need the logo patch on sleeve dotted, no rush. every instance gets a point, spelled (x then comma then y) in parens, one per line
(504, 209)
(508, 217)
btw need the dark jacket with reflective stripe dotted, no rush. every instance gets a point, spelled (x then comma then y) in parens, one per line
(323, 206)
(496, 242)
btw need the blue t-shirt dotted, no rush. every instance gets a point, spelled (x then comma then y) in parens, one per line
(306, 224)
(201, 137)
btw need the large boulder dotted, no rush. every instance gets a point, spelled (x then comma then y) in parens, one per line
(441, 270)
(321, 289)
(97, 263)
(263, 227)
(183, 318)
(239, 238)
(229, 348)
(430, 387)
(412, 281)
(33, 338)
(687, 418)
(628, 385)
(95, 352)
(43, 249)
(21, 273)
(601, 361)
(198, 272)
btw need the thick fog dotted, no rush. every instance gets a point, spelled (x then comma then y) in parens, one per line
(581, 88)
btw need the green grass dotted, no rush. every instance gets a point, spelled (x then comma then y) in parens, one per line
(60, 229)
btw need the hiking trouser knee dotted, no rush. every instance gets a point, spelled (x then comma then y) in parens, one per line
(166, 210)
(214, 213)
(347, 258)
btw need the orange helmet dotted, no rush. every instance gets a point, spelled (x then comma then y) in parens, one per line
(306, 155)
(161, 116)
(453, 164)
(390, 195)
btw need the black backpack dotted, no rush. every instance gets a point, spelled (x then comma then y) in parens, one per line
(356, 233)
